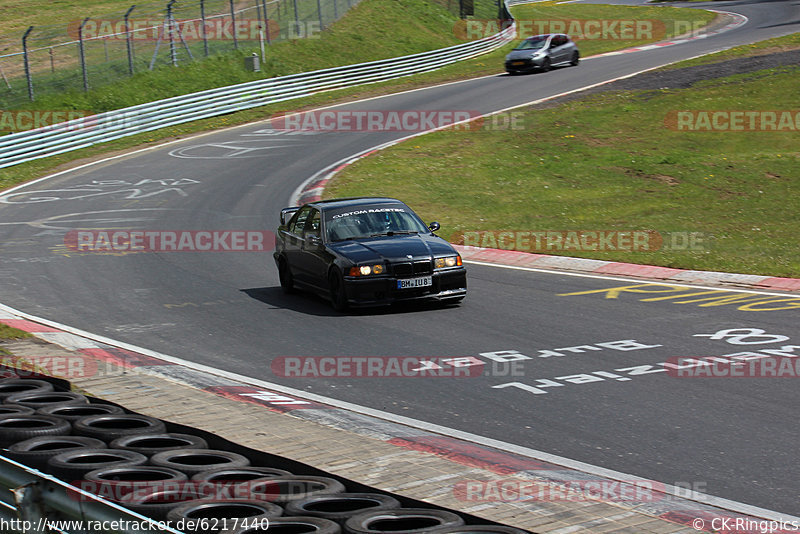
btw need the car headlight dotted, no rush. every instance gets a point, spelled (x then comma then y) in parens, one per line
(447, 261)
(366, 270)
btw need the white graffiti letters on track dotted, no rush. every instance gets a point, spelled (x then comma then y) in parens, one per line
(119, 189)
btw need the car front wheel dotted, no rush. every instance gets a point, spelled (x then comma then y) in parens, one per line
(337, 291)
(546, 64)
(285, 276)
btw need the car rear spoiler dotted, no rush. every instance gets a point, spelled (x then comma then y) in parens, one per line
(286, 213)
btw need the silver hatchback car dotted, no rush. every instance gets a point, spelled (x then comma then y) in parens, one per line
(541, 52)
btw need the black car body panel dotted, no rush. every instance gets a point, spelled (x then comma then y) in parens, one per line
(374, 251)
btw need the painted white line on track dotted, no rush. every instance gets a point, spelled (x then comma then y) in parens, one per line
(634, 280)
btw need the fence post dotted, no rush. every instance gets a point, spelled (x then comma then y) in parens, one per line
(233, 23)
(266, 21)
(27, 63)
(203, 20)
(83, 54)
(173, 56)
(319, 13)
(129, 39)
(335, 13)
(296, 17)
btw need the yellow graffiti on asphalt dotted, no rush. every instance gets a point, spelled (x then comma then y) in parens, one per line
(713, 297)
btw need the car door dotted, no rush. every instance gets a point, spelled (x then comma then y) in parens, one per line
(293, 241)
(313, 259)
(558, 48)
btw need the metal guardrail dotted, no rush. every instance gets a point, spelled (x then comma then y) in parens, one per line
(32, 502)
(56, 139)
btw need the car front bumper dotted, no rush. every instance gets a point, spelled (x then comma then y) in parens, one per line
(366, 291)
(524, 65)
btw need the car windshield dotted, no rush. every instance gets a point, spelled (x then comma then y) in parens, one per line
(371, 221)
(531, 44)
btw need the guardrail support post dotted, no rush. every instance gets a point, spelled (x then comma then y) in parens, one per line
(26, 60)
(28, 500)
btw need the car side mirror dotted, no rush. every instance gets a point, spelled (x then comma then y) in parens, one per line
(286, 214)
(434, 226)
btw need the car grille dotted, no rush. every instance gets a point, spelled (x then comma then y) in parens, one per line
(413, 268)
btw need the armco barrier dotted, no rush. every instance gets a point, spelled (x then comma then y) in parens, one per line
(35, 502)
(56, 139)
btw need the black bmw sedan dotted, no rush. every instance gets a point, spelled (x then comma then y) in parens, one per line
(366, 252)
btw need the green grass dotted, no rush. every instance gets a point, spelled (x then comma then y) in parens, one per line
(608, 162)
(8, 332)
(372, 30)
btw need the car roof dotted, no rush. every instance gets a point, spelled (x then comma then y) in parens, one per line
(352, 202)
(543, 36)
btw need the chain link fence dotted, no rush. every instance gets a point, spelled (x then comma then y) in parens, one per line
(101, 50)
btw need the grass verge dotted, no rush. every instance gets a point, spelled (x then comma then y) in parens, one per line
(609, 162)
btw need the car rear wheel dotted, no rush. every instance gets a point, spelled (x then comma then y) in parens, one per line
(576, 58)
(285, 275)
(338, 295)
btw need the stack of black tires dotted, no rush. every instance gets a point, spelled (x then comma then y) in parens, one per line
(197, 481)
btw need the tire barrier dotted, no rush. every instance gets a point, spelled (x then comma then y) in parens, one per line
(168, 471)
(401, 521)
(42, 399)
(36, 451)
(212, 515)
(73, 465)
(15, 409)
(227, 475)
(193, 461)
(288, 488)
(111, 427)
(291, 525)
(340, 507)
(11, 386)
(150, 444)
(14, 428)
(73, 412)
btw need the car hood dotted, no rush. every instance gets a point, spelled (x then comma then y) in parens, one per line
(522, 54)
(393, 248)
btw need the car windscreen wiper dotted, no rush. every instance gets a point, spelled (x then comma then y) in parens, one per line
(395, 232)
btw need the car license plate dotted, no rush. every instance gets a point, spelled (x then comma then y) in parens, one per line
(517, 63)
(411, 283)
